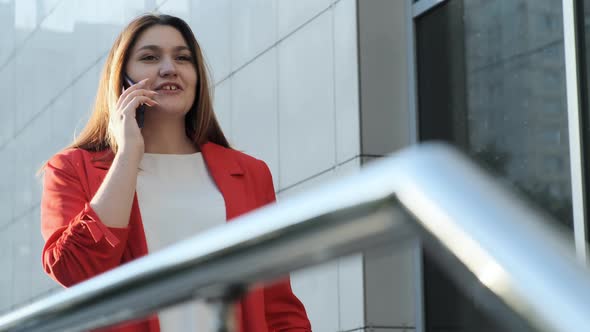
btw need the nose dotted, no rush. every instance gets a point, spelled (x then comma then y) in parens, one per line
(167, 67)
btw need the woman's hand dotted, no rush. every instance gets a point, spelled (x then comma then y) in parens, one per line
(122, 122)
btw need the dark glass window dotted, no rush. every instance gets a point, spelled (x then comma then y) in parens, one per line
(491, 80)
(583, 29)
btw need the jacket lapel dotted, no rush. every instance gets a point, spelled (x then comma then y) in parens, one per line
(101, 162)
(228, 175)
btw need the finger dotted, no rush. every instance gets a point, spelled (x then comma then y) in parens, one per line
(132, 88)
(138, 92)
(136, 102)
(129, 90)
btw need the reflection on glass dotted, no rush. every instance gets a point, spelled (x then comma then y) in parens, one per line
(516, 108)
(491, 80)
(501, 96)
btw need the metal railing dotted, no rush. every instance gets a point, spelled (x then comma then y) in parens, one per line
(487, 233)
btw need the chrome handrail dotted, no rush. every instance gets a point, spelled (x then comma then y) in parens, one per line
(429, 190)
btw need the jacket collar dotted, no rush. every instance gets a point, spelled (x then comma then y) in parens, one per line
(102, 159)
(218, 159)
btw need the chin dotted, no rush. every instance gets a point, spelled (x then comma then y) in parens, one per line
(172, 109)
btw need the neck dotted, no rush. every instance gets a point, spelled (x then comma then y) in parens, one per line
(167, 136)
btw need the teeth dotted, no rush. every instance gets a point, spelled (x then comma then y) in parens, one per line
(169, 87)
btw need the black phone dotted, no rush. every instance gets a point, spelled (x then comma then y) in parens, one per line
(139, 115)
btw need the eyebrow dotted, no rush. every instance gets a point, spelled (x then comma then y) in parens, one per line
(157, 48)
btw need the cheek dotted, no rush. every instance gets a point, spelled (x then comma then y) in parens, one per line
(193, 97)
(194, 88)
(192, 82)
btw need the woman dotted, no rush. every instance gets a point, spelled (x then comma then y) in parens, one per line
(118, 191)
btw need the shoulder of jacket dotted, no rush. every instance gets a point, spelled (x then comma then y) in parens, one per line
(248, 161)
(244, 159)
(72, 157)
(65, 156)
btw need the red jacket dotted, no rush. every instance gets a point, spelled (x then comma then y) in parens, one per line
(79, 246)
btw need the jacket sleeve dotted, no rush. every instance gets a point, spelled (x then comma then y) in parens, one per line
(283, 310)
(78, 245)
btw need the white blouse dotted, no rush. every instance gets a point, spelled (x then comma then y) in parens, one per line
(178, 198)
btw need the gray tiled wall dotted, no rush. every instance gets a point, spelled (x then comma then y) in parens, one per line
(286, 91)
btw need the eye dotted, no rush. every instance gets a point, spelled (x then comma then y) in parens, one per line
(148, 57)
(185, 58)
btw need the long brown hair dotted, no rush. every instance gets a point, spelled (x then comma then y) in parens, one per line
(201, 125)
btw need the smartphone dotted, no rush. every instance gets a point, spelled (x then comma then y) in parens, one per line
(139, 115)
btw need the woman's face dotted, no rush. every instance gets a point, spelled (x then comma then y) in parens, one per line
(162, 55)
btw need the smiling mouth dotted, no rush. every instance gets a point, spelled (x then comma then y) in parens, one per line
(170, 87)
(169, 91)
